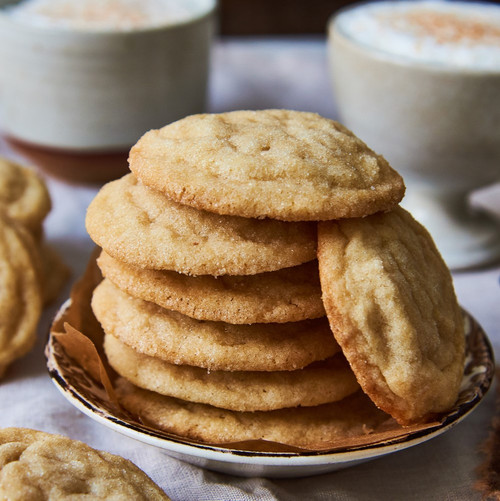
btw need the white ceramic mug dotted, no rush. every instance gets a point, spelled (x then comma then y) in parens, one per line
(436, 121)
(100, 90)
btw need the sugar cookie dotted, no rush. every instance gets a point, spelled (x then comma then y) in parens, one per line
(391, 304)
(20, 294)
(23, 195)
(179, 339)
(307, 427)
(316, 384)
(287, 295)
(282, 164)
(139, 226)
(39, 465)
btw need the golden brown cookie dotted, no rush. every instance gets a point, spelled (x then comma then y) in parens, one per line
(282, 164)
(287, 295)
(139, 226)
(23, 195)
(316, 384)
(179, 339)
(35, 465)
(20, 294)
(24, 198)
(308, 427)
(392, 307)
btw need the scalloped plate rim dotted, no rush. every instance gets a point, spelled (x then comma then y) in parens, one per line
(234, 461)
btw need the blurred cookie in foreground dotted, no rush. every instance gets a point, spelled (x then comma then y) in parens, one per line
(39, 465)
(282, 164)
(20, 292)
(391, 304)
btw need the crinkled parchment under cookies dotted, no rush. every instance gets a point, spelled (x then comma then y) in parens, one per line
(305, 427)
(392, 308)
(282, 164)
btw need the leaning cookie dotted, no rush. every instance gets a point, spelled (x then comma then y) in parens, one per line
(20, 292)
(39, 465)
(142, 227)
(282, 164)
(392, 307)
(307, 427)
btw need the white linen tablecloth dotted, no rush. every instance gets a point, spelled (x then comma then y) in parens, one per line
(279, 73)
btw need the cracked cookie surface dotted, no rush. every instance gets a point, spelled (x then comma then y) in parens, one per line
(287, 295)
(39, 465)
(322, 382)
(282, 164)
(140, 226)
(391, 304)
(179, 339)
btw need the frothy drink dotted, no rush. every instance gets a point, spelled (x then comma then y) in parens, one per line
(105, 14)
(456, 34)
(86, 78)
(419, 81)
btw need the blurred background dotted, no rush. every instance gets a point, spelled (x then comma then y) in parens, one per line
(279, 17)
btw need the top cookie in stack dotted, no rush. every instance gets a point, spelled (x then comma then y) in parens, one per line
(212, 300)
(281, 164)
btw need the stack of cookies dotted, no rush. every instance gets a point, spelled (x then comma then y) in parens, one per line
(31, 272)
(218, 318)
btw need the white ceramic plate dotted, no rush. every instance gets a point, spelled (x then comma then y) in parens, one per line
(89, 397)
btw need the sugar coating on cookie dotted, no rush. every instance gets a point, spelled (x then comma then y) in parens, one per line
(319, 383)
(281, 164)
(140, 226)
(308, 427)
(23, 194)
(178, 339)
(20, 293)
(392, 307)
(287, 295)
(39, 465)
